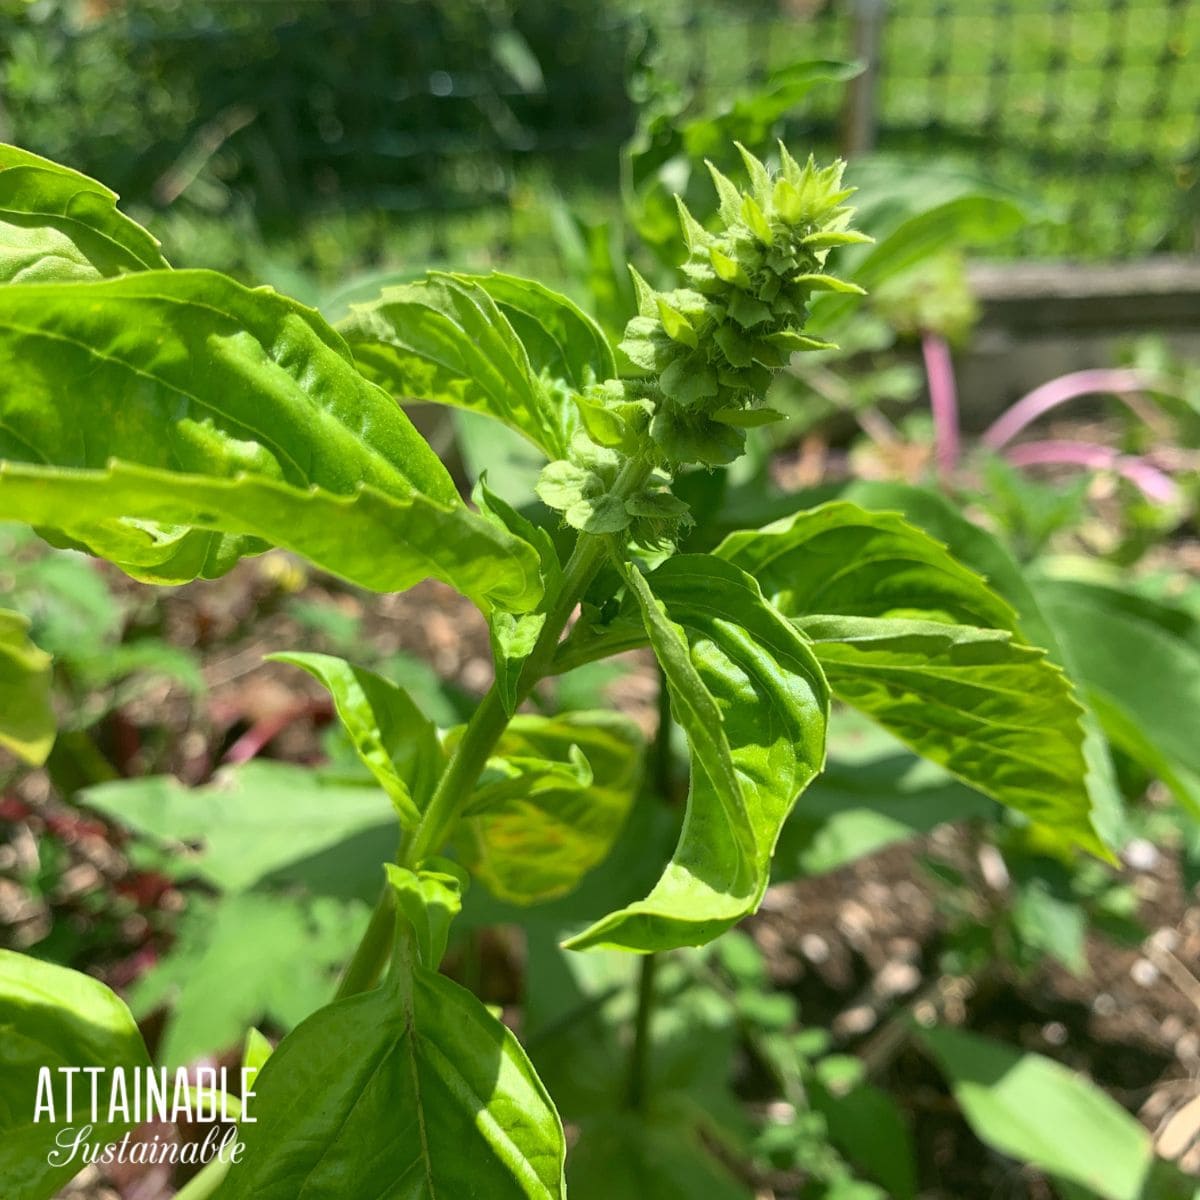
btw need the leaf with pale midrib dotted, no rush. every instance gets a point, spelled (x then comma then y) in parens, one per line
(753, 701)
(840, 558)
(995, 713)
(176, 421)
(412, 1091)
(449, 340)
(58, 225)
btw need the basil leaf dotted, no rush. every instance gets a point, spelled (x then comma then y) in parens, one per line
(27, 724)
(422, 1094)
(447, 341)
(59, 225)
(1139, 664)
(840, 558)
(429, 900)
(562, 341)
(53, 1017)
(396, 742)
(176, 421)
(963, 220)
(872, 794)
(752, 699)
(995, 713)
(535, 825)
(983, 553)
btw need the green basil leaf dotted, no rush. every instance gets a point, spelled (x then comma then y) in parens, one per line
(513, 635)
(175, 421)
(445, 340)
(1139, 664)
(253, 823)
(57, 225)
(245, 958)
(396, 742)
(873, 793)
(840, 558)
(995, 713)
(536, 825)
(422, 1094)
(751, 697)
(27, 724)
(53, 1017)
(1038, 1112)
(979, 550)
(562, 341)
(428, 900)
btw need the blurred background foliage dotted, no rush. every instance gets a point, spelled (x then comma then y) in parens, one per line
(297, 139)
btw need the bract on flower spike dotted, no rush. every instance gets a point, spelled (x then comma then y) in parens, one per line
(700, 358)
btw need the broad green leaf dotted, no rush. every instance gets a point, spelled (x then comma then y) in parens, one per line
(252, 823)
(428, 900)
(57, 225)
(1139, 664)
(979, 550)
(411, 1090)
(840, 558)
(753, 702)
(1038, 1112)
(53, 1017)
(392, 737)
(447, 341)
(244, 959)
(26, 716)
(872, 793)
(176, 421)
(562, 341)
(514, 635)
(995, 713)
(534, 826)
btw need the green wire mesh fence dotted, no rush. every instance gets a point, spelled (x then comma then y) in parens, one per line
(426, 110)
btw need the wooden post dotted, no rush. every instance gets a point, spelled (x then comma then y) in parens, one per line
(860, 115)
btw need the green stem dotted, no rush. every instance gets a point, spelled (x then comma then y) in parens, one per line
(490, 720)
(363, 970)
(639, 1056)
(661, 750)
(479, 739)
(206, 1182)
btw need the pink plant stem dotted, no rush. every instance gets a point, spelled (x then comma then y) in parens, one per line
(252, 743)
(1058, 391)
(943, 402)
(1154, 484)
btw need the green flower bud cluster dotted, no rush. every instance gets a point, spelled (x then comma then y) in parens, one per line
(703, 356)
(711, 349)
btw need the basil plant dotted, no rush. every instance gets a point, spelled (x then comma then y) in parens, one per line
(173, 422)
